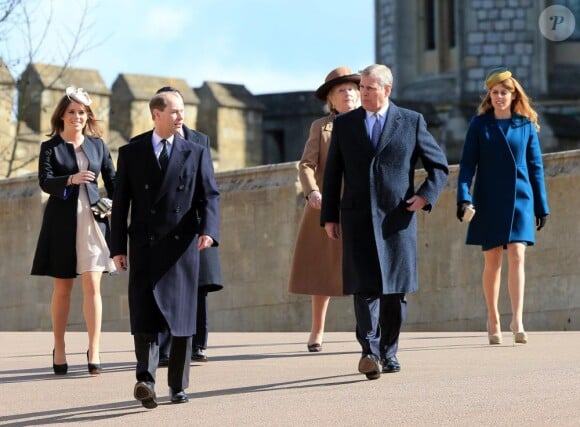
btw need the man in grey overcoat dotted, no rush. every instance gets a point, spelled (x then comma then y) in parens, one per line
(373, 154)
(168, 186)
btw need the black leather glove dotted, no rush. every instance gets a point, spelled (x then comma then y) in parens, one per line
(541, 221)
(461, 210)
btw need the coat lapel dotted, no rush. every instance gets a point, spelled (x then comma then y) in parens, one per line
(151, 172)
(498, 135)
(94, 164)
(179, 154)
(65, 155)
(92, 156)
(150, 163)
(391, 126)
(360, 128)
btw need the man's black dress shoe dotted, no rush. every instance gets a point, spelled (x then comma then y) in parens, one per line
(163, 361)
(178, 396)
(145, 394)
(370, 366)
(391, 364)
(198, 355)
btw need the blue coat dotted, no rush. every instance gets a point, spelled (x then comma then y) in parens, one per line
(210, 271)
(379, 235)
(509, 190)
(167, 214)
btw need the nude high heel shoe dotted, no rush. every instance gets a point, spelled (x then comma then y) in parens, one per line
(519, 337)
(494, 339)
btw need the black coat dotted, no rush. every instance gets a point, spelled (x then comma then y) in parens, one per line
(56, 249)
(210, 272)
(379, 235)
(168, 212)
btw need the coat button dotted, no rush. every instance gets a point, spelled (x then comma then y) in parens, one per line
(181, 187)
(146, 186)
(153, 211)
(177, 209)
(151, 237)
(176, 237)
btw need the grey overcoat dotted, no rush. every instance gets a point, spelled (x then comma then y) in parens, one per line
(379, 234)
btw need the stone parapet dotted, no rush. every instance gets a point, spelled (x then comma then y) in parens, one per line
(260, 211)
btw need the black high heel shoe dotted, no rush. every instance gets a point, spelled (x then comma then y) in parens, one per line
(59, 369)
(93, 368)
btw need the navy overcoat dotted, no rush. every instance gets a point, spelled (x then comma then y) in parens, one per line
(56, 253)
(509, 190)
(210, 271)
(379, 234)
(163, 230)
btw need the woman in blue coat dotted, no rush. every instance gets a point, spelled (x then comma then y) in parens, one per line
(503, 152)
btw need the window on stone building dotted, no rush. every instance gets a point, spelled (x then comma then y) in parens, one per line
(430, 39)
(438, 17)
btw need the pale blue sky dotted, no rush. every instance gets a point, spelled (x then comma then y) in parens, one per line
(267, 45)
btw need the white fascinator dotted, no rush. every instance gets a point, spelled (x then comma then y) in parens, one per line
(78, 95)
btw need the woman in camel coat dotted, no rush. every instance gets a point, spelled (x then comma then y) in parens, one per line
(317, 262)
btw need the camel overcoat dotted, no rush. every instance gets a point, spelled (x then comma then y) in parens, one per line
(317, 261)
(509, 189)
(168, 212)
(56, 254)
(379, 235)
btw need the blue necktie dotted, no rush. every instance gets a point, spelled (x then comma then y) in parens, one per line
(163, 156)
(376, 132)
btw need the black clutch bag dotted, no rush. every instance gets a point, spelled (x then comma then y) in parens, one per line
(102, 207)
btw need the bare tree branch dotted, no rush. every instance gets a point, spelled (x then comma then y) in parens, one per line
(7, 8)
(75, 47)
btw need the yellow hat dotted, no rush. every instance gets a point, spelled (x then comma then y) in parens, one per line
(497, 75)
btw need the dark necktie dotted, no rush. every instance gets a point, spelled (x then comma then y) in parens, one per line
(163, 156)
(376, 131)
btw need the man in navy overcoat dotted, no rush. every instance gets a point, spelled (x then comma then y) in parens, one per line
(165, 182)
(209, 279)
(376, 213)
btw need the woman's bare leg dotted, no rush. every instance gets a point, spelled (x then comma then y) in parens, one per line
(516, 283)
(491, 284)
(319, 307)
(93, 312)
(59, 310)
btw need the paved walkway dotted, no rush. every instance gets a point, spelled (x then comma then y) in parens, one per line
(269, 379)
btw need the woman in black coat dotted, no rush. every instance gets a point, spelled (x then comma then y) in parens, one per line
(72, 240)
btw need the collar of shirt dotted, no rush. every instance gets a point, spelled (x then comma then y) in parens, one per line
(157, 146)
(370, 119)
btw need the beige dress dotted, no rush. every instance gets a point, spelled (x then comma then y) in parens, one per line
(92, 250)
(317, 261)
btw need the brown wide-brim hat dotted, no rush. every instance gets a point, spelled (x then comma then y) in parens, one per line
(335, 77)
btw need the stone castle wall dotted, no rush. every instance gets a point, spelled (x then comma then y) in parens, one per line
(261, 208)
(228, 113)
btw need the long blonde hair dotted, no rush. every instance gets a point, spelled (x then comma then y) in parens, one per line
(520, 101)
